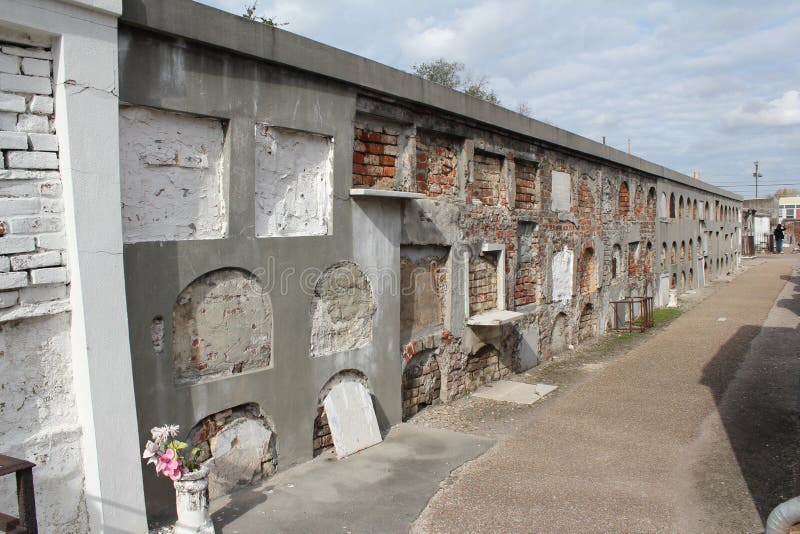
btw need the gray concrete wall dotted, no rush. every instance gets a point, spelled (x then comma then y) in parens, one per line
(162, 73)
(182, 58)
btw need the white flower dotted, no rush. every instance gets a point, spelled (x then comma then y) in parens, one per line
(151, 452)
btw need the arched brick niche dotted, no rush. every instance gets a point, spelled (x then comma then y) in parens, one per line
(558, 335)
(587, 325)
(323, 439)
(587, 271)
(239, 447)
(341, 310)
(221, 326)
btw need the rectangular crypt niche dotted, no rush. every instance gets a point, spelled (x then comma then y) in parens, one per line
(383, 154)
(437, 163)
(525, 194)
(488, 184)
(486, 280)
(423, 288)
(293, 182)
(171, 172)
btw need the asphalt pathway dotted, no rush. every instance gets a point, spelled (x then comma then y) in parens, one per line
(694, 430)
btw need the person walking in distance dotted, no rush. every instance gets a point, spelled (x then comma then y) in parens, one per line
(778, 233)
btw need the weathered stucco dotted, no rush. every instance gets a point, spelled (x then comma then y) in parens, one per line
(342, 310)
(423, 287)
(222, 325)
(40, 420)
(561, 272)
(171, 171)
(293, 182)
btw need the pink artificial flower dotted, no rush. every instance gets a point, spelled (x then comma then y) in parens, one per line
(169, 465)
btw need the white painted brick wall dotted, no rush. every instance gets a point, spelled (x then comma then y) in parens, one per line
(15, 103)
(13, 280)
(15, 140)
(38, 409)
(32, 258)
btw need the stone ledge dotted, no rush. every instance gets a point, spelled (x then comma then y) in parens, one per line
(27, 311)
(494, 318)
(385, 193)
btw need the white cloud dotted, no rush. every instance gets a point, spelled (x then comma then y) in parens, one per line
(677, 77)
(783, 111)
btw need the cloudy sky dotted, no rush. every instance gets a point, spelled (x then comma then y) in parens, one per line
(695, 85)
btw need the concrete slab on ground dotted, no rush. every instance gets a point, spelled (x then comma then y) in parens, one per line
(380, 489)
(510, 391)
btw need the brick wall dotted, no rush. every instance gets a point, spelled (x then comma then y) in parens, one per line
(375, 154)
(437, 165)
(488, 185)
(525, 176)
(482, 283)
(528, 267)
(32, 258)
(624, 203)
(484, 367)
(421, 384)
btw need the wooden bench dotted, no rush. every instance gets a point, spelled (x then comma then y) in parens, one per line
(26, 504)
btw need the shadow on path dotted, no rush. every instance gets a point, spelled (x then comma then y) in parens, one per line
(755, 381)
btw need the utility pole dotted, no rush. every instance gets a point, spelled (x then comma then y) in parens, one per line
(756, 175)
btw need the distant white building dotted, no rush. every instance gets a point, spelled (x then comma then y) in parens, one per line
(789, 208)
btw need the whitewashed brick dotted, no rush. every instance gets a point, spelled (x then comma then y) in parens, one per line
(13, 189)
(34, 225)
(13, 140)
(27, 122)
(9, 298)
(50, 189)
(54, 241)
(38, 260)
(35, 67)
(9, 64)
(19, 174)
(11, 244)
(32, 160)
(5, 264)
(15, 103)
(8, 120)
(51, 275)
(44, 142)
(41, 104)
(13, 280)
(52, 205)
(32, 295)
(37, 53)
(19, 206)
(17, 83)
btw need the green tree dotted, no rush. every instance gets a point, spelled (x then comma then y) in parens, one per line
(451, 74)
(250, 14)
(441, 71)
(785, 192)
(524, 109)
(479, 88)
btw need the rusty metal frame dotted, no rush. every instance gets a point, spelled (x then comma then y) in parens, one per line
(641, 323)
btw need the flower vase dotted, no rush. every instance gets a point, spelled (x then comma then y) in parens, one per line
(191, 499)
